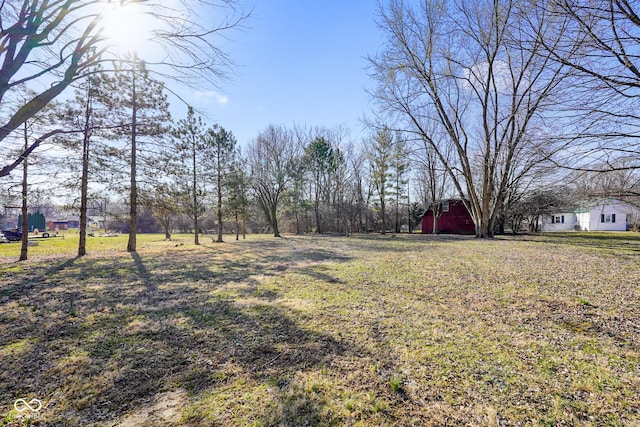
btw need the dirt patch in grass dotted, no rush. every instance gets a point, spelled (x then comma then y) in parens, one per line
(410, 330)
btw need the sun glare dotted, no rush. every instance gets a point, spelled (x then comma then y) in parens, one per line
(126, 27)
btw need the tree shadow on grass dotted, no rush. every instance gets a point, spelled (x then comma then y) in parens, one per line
(143, 272)
(97, 339)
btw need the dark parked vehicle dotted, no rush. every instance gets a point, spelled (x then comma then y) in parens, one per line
(12, 234)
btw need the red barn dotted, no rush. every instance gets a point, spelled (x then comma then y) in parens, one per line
(455, 218)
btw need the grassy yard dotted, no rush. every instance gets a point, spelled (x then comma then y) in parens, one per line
(306, 330)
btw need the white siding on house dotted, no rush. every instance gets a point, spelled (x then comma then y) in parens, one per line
(606, 215)
(562, 221)
(609, 217)
(583, 221)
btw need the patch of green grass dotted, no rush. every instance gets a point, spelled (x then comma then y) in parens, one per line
(396, 384)
(19, 347)
(584, 302)
(67, 244)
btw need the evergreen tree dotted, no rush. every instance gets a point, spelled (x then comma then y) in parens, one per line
(187, 165)
(320, 162)
(296, 202)
(222, 144)
(86, 113)
(42, 119)
(238, 185)
(399, 169)
(144, 111)
(381, 158)
(415, 215)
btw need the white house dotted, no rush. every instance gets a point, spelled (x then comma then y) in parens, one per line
(600, 215)
(561, 221)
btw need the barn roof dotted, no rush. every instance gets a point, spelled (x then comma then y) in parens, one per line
(454, 200)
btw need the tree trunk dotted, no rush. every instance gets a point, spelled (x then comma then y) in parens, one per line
(133, 197)
(296, 215)
(435, 223)
(82, 243)
(409, 210)
(397, 213)
(84, 182)
(24, 249)
(194, 185)
(219, 215)
(237, 227)
(316, 209)
(384, 215)
(483, 229)
(219, 179)
(274, 222)
(166, 225)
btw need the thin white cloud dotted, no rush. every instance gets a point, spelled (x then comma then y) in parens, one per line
(211, 94)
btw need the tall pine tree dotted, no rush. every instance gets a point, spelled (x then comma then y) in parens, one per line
(144, 112)
(223, 144)
(380, 159)
(238, 185)
(187, 165)
(87, 114)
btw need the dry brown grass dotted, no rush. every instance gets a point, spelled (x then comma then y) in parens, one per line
(365, 330)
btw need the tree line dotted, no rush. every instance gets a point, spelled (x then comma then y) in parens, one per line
(120, 147)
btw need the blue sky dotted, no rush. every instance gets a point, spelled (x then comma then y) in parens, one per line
(299, 62)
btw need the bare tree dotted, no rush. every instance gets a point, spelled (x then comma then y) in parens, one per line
(620, 183)
(434, 179)
(54, 43)
(475, 72)
(270, 158)
(600, 42)
(357, 164)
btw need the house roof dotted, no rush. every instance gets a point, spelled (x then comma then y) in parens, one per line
(587, 205)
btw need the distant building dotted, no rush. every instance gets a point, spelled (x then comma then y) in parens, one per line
(63, 225)
(596, 215)
(57, 225)
(454, 218)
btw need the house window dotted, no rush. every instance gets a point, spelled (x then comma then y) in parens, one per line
(607, 217)
(445, 206)
(557, 219)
